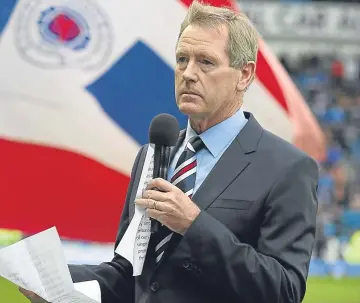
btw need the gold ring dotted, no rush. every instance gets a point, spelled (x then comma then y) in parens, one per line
(155, 205)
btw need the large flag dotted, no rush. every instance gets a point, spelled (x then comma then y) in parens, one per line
(80, 82)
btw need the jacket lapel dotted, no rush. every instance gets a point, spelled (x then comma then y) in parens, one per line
(221, 176)
(231, 164)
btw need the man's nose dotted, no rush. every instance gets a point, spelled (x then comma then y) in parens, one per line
(191, 73)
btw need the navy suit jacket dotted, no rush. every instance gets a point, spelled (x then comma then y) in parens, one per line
(252, 241)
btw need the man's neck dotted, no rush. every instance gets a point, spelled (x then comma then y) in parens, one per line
(203, 124)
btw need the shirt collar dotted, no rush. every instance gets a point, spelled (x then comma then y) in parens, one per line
(220, 135)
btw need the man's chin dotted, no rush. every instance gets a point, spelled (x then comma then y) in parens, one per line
(190, 110)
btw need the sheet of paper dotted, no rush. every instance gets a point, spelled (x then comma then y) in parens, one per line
(38, 264)
(74, 297)
(133, 246)
(90, 289)
(49, 261)
(16, 266)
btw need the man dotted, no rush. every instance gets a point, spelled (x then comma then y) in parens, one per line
(239, 207)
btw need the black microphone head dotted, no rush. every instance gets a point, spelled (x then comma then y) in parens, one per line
(164, 130)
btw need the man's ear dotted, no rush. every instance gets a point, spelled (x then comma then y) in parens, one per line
(246, 76)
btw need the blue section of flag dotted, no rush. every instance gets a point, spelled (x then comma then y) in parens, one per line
(6, 8)
(139, 86)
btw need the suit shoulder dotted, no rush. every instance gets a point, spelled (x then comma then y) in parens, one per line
(282, 153)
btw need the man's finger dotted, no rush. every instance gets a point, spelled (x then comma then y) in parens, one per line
(155, 214)
(25, 292)
(34, 298)
(161, 185)
(151, 204)
(154, 195)
(148, 203)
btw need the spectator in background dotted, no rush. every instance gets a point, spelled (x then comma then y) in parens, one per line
(319, 104)
(337, 73)
(354, 117)
(337, 117)
(284, 60)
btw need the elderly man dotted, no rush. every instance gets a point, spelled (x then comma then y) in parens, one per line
(239, 225)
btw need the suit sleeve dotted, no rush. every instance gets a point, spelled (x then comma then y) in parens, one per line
(115, 277)
(276, 270)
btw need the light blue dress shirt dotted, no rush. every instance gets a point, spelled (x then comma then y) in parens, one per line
(216, 139)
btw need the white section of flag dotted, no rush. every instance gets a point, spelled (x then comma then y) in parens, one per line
(83, 129)
(268, 111)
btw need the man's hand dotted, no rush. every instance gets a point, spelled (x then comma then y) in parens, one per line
(169, 205)
(34, 298)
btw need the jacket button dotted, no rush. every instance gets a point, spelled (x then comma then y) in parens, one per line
(187, 265)
(154, 286)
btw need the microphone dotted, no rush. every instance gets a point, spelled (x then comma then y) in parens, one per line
(163, 133)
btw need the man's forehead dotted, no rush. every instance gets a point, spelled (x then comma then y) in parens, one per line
(203, 37)
(205, 31)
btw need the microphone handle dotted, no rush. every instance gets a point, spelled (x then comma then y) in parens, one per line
(164, 162)
(161, 165)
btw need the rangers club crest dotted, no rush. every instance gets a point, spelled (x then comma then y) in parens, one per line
(60, 33)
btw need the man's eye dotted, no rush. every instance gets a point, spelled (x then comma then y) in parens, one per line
(206, 62)
(181, 59)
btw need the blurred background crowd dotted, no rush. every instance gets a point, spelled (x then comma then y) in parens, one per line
(330, 85)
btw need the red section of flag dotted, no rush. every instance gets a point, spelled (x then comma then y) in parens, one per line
(184, 170)
(267, 77)
(43, 187)
(264, 71)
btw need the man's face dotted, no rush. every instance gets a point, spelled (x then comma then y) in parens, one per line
(205, 84)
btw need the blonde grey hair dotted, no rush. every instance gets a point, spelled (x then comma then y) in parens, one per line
(243, 37)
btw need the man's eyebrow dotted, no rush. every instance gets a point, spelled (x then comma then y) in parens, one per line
(180, 52)
(201, 53)
(207, 54)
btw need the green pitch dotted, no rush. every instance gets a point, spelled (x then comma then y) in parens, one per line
(320, 290)
(328, 290)
(10, 294)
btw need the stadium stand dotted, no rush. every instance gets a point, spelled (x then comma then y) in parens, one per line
(331, 87)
